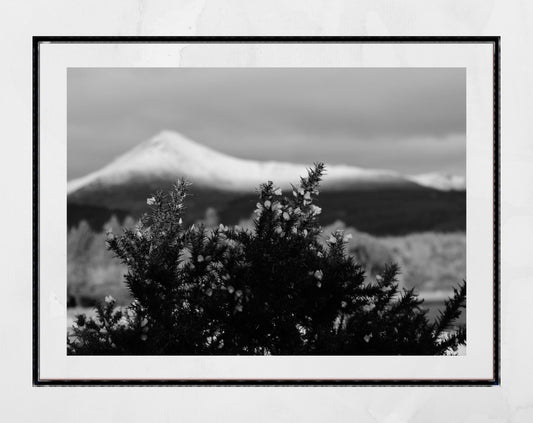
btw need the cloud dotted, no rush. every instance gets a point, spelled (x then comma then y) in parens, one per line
(356, 115)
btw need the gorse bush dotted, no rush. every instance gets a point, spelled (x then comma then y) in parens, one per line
(274, 289)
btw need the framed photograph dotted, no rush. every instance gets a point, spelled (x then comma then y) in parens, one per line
(266, 210)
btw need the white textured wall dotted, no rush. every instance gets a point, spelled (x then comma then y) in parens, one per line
(512, 402)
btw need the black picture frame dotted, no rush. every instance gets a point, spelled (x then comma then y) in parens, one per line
(494, 380)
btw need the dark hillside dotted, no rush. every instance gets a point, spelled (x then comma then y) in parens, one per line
(383, 212)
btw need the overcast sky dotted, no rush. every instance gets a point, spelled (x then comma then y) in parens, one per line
(404, 119)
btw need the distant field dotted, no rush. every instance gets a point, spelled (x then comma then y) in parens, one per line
(433, 263)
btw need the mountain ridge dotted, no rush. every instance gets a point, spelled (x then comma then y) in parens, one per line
(378, 202)
(170, 155)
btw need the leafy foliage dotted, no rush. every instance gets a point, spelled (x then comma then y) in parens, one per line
(274, 289)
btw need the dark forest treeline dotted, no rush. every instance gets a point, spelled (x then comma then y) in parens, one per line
(381, 213)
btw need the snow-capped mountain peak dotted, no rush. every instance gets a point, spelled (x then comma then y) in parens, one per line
(170, 155)
(166, 155)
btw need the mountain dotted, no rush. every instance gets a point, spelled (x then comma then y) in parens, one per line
(170, 155)
(375, 201)
(442, 182)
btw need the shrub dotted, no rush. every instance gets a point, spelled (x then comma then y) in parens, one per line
(274, 289)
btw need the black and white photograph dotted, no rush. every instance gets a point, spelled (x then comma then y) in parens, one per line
(266, 211)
